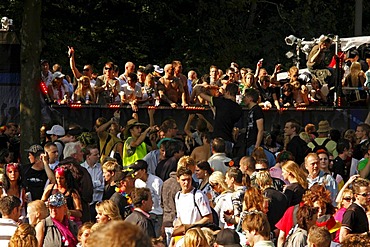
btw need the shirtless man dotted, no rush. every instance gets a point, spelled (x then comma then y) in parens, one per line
(170, 87)
(177, 72)
(129, 68)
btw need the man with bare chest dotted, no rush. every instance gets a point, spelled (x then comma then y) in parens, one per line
(169, 88)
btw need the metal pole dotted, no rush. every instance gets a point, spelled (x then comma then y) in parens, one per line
(358, 18)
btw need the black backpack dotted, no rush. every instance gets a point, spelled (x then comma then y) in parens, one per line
(322, 146)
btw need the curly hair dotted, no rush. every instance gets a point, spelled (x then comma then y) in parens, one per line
(24, 236)
(253, 199)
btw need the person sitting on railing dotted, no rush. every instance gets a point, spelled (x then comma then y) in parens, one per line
(57, 91)
(318, 94)
(300, 94)
(356, 78)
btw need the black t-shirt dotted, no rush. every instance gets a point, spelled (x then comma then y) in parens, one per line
(298, 148)
(355, 219)
(227, 115)
(340, 168)
(266, 94)
(277, 205)
(34, 181)
(294, 193)
(254, 114)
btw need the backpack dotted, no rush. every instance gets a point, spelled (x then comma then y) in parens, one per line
(322, 146)
(215, 217)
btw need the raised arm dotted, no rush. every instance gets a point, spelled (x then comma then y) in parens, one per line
(72, 63)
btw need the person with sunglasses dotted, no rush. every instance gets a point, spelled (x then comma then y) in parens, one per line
(86, 71)
(355, 219)
(107, 86)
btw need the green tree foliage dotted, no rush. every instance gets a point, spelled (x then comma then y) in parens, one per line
(199, 33)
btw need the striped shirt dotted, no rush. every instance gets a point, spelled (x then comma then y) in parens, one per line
(7, 229)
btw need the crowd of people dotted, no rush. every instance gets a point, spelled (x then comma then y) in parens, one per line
(211, 184)
(168, 86)
(217, 182)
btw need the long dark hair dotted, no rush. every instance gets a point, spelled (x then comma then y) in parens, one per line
(204, 165)
(5, 179)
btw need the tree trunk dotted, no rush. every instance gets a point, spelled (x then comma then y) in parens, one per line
(30, 75)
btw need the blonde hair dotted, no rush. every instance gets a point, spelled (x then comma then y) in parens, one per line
(218, 177)
(263, 179)
(108, 208)
(186, 161)
(24, 236)
(40, 207)
(345, 192)
(295, 171)
(111, 166)
(355, 69)
(194, 237)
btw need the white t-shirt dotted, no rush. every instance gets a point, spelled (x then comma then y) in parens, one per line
(186, 211)
(153, 183)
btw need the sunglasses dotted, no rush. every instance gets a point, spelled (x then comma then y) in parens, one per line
(347, 199)
(88, 69)
(364, 194)
(213, 185)
(106, 68)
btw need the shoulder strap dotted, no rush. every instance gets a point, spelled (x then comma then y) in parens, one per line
(325, 142)
(315, 143)
(195, 203)
(296, 207)
(105, 144)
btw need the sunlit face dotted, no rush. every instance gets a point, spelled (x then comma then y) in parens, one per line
(131, 82)
(61, 180)
(83, 238)
(52, 152)
(363, 196)
(31, 215)
(12, 173)
(347, 200)
(199, 173)
(101, 218)
(213, 73)
(185, 183)
(85, 83)
(87, 71)
(31, 158)
(229, 181)
(93, 156)
(360, 133)
(108, 70)
(285, 174)
(58, 213)
(107, 175)
(312, 166)
(324, 162)
(322, 208)
(141, 76)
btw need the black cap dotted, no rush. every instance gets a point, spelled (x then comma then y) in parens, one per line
(138, 165)
(228, 237)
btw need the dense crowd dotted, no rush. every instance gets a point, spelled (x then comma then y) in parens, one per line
(168, 86)
(217, 182)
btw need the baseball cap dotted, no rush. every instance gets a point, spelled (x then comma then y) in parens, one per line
(57, 200)
(228, 238)
(34, 148)
(56, 130)
(138, 165)
(57, 75)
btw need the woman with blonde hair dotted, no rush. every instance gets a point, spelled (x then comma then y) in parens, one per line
(195, 237)
(356, 78)
(24, 236)
(298, 182)
(223, 201)
(84, 93)
(107, 211)
(36, 212)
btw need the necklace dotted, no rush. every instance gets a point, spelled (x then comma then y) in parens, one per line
(124, 194)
